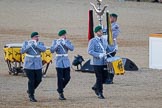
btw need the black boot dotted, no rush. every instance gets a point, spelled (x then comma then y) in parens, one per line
(61, 96)
(95, 90)
(100, 96)
(32, 98)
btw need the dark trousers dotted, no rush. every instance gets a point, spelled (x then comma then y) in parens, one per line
(63, 77)
(100, 77)
(34, 79)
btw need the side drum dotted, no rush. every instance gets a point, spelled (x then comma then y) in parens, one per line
(13, 57)
(115, 64)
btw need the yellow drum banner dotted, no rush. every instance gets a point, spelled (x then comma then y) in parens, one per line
(118, 67)
(14, 55)
(23, 57)
(46, 56)
(8, 54)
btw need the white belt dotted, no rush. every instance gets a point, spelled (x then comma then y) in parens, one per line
(61, 55)
(32, 55)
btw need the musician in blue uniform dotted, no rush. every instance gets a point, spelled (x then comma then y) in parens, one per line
(98, 49)
(62, 63)
(115, 34)
(114, 47)
(33, 63)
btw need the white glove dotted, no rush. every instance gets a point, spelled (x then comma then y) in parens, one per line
(101, 55)
(63, 41)
(31, 42)
(35, 43)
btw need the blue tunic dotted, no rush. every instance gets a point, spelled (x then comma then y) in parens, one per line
(61, 59)
(32, 59)
(95, 48)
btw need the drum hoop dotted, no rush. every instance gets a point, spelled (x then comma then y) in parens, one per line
(112, 59)
(14, 45)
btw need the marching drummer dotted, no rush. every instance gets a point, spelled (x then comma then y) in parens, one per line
(33, 63)
(62, 63)
(115, 33)
(114, 47)
(98, 49)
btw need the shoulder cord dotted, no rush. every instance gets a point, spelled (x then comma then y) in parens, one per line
(62, 47)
